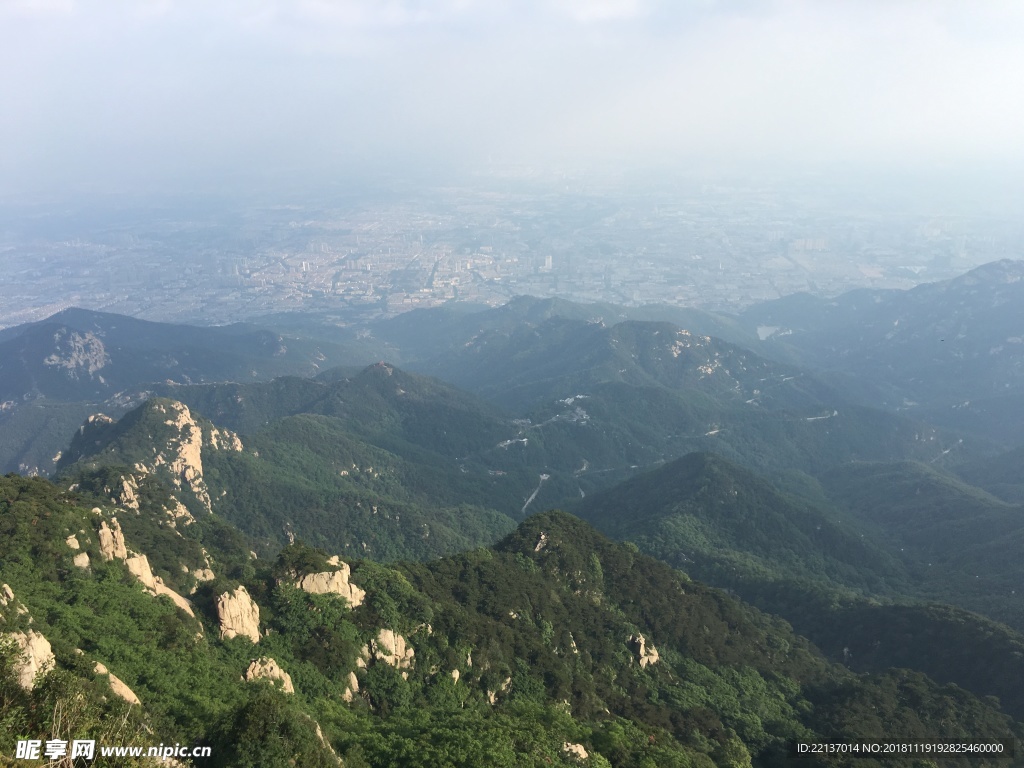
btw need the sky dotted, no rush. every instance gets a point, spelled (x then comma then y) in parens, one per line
(103, 94)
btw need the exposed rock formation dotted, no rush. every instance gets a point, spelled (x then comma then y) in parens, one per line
(492, 696)
(333, 582)
(576, 750)
(77, 353)
(239, 616)
(128, 494)
(392, 648)
(72, 541)
(117, 685)
(112, 541)
(179, 513)
(139, 567)
(268, 669)
(7, 598)
(36, 657)
(183, 454)
(81, 560)
(645, 654)
(352, 689)
(96, 420)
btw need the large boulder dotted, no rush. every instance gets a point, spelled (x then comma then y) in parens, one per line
(265, 668)
(646, 653)
(239, 615)
(36, 657)
(112, 541)
(139, 567)
(117, 685)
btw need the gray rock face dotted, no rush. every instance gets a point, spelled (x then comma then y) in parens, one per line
(78, 354)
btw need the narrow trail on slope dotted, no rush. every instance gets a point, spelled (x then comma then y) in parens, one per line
(533, 495)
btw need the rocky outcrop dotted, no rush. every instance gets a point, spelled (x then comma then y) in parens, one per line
(265, 668)
(128, 493)
(391, 648)
(182, 455)
(138, 565)
(77, 353)
(179, 513)
(36, 657)
(575, 750)
(646, 653)
(112, 540)
(81, 559)
(7, 598)
(117, 685)
(492, 696)
(352, 688)
(333, 582)
(239, 615)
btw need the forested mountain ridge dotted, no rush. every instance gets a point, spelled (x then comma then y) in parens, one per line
(80, 354)
(55, 373)
(321, 455)
(529, 355)
(321, 506)
(555, 647)
(306, 475)
(950, 352)
(859, 578)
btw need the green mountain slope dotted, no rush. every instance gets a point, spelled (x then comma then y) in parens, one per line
(426, 334)
(554, 644)
(726, 526)
(950, 352)
(83, 355)
(306, 475)
(1001, 475)
(530, 363)
(858, 586)
(963, 543)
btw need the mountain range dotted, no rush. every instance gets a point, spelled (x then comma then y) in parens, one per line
(809, 545)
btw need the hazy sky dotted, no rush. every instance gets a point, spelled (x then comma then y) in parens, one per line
(108, 92)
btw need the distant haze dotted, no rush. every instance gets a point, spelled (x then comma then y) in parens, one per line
(140, 93)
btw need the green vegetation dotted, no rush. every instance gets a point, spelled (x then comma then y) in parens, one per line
(543, 631)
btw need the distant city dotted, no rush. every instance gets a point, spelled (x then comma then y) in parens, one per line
(715, 247)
